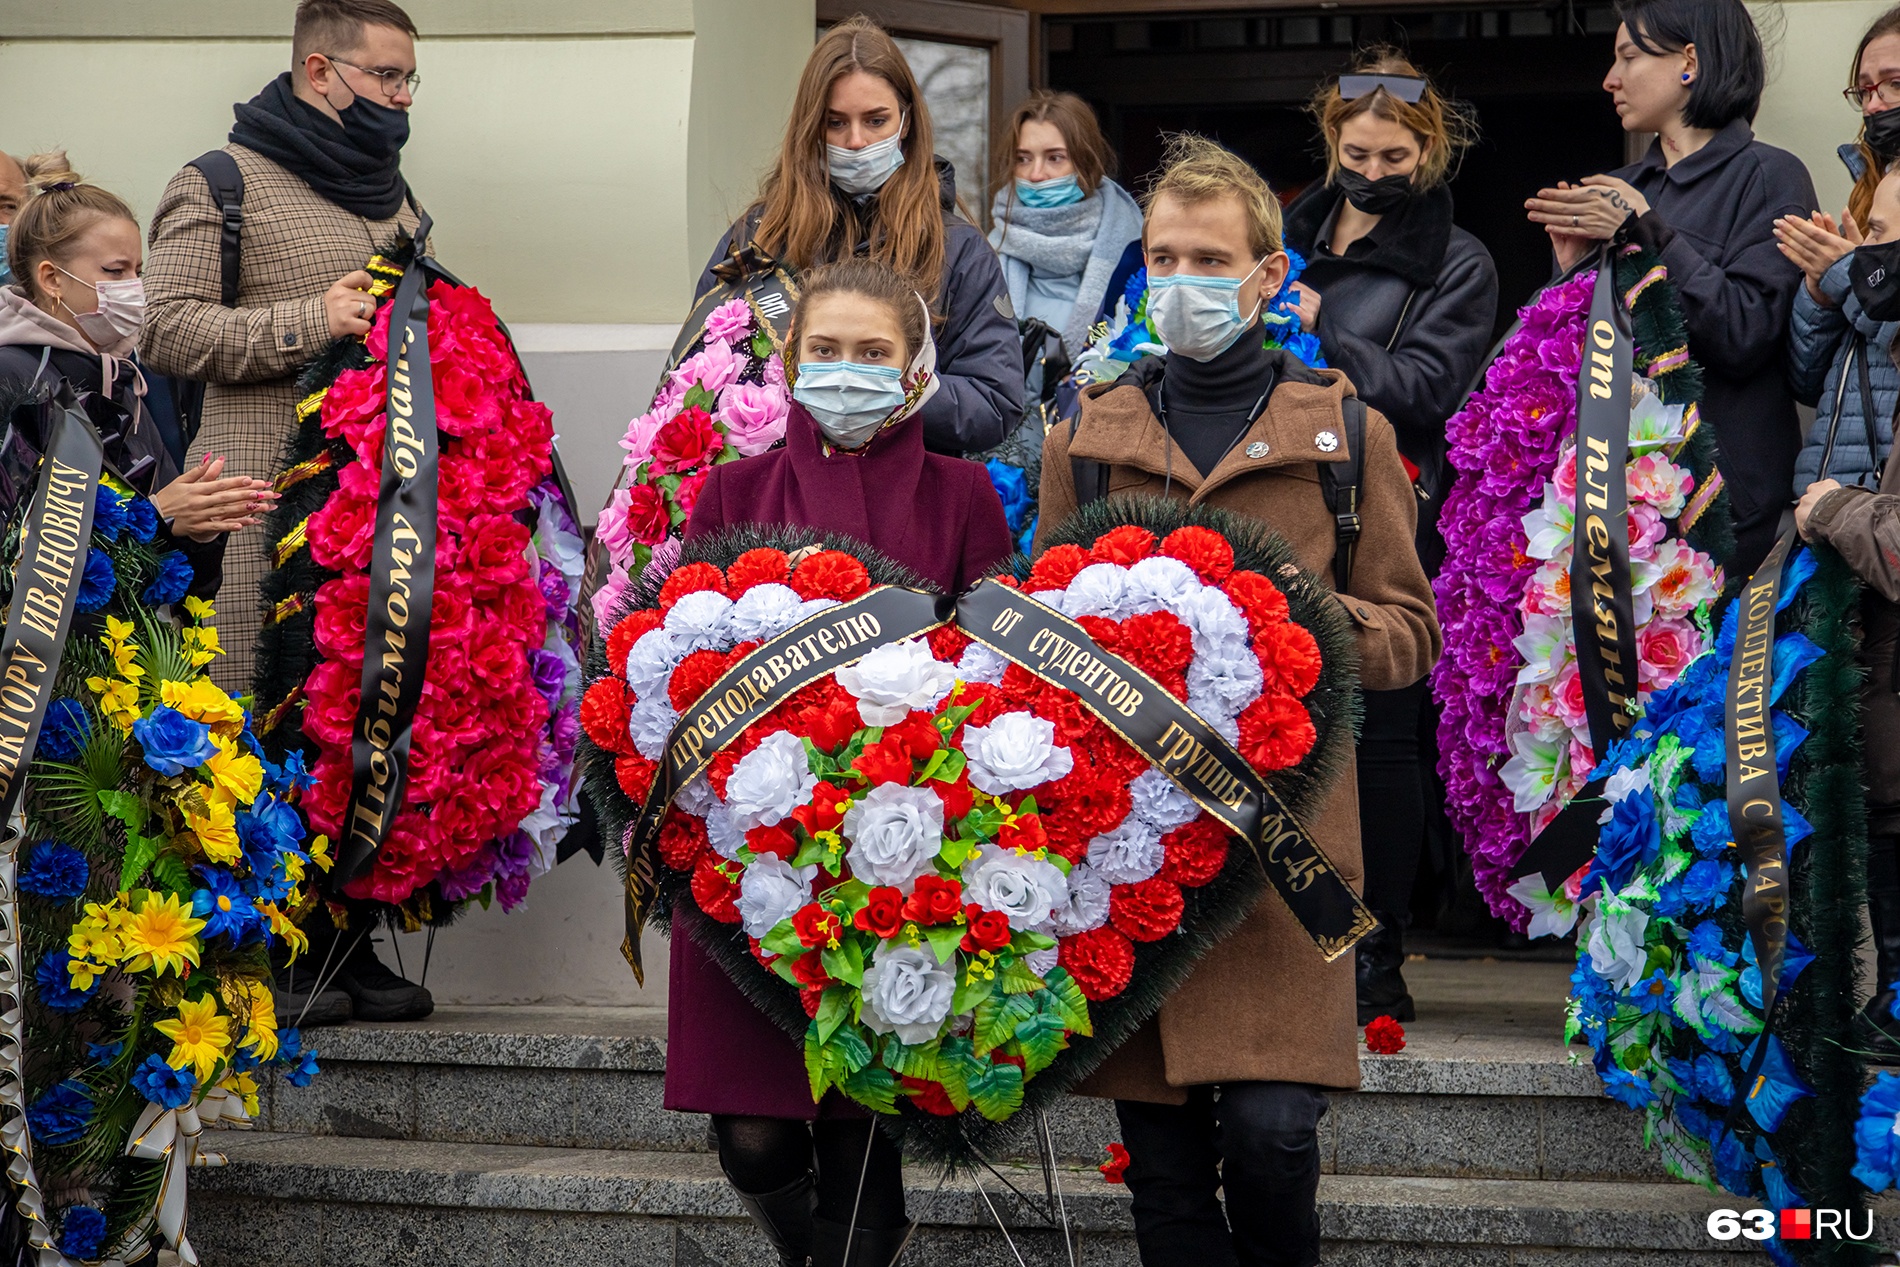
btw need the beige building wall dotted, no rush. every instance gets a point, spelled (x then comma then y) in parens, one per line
(1802, 110)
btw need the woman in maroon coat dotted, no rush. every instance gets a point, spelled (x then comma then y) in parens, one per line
(853, 462)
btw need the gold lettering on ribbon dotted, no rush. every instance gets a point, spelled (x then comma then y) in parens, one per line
(1593, 483)
(1603, 337)
(366, 822)
(407, 454)
(53, 556)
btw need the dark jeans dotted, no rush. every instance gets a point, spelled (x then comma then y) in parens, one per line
(1391, 799)
(1256, 1144)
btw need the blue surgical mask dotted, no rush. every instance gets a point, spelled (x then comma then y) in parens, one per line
(1058, 191)
(865, 171)
(6, 274)
(849, 400)
(1198, 317)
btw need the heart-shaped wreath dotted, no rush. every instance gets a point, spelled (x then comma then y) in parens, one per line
(944, 855)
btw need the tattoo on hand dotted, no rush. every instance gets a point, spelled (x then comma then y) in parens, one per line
(1616, 200)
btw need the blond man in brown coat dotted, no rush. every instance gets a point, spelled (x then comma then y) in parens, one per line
(1224, 1088)
(319, 151)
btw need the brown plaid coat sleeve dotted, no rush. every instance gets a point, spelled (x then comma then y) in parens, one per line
(295, 244)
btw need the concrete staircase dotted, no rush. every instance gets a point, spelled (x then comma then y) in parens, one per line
(514, 1136)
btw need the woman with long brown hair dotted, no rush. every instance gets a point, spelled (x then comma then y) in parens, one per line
(856, 175)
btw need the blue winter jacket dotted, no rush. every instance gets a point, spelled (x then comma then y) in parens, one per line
(1823, 343)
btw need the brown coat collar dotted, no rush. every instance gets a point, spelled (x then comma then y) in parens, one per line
(1119, 428)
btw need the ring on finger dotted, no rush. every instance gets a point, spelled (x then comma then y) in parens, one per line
(1574, 222)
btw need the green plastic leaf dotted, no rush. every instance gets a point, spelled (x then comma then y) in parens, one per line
(139, 852)
(171, 874)
(950, 769)
(697, 397)
(1069, 1001)
(782, 968)
(810, 854)
(1726, 1009)
(1019, 978)
(944, 940)
(998, 1092)
(124, 806)
(761, 345)
(950, 718)
(846, 962)
(911, 1062)
(957, 1065)
(1040, 1039)
(997, 1018)
(782, 940)
(972, 988)
(935, 764)
(846, 1052)
(819, 760)
(816, 1071)
(957, 850)
(1028, 943)
(834, 1006)
(873, 1087)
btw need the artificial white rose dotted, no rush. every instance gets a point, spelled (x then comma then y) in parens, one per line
(980, 664)
(1160, 802)
(895, 833)
(763, 612)
(1158, 583)
(1014, 753)
(698, 621)
(1021, 886)
(896, 678)
(1127, 853)
(1100, 589)
(650, 663)
(907, 992)
(771, 890)
(1615, 941)
(649, 722)
(770, 782)
(1084, 906)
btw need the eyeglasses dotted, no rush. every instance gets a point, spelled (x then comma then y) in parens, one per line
(1406, 88)
(393, 81)
(1888, 93)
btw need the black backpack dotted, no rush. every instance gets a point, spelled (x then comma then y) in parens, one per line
(221, 172)
(1339, 484)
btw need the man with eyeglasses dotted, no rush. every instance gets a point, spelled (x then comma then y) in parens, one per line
(308, 189)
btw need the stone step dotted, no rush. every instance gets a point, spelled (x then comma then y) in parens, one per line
(315, 1201)
(1452, 1105)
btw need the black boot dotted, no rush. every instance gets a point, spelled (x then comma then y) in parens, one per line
(785, 1217)
(294, 990)
(1875, 1028)
(376, 993)
(870, 1246)
(1381, 984)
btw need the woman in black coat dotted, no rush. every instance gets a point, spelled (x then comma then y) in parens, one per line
(1403, 301)
(1706, 197)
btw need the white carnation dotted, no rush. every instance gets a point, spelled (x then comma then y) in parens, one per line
(1021, 886)
(1014, 753)
(1126, 854)
(698, 621)
(1084, 907)
(649, 722)
(907, 992)
(1100, 589)
(651, 662)
(763, 612)
(1231, 681)
(980, 664)
(696, 797)
(896, 678)
(812, 606)
(727, 837)
(770, 782)
(1160, 802)
(1158, 583)
(1213, 618)
(895, 833)
(772, 890)
(1042, 961)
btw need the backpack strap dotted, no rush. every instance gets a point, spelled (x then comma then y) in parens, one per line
(1090, 477)
(221, 172)
(1339, 483)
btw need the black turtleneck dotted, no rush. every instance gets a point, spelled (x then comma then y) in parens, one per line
(1208, 405)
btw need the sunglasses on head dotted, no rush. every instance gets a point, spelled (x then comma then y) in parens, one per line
(1406, 88)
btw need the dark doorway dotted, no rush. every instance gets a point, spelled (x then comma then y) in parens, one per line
(1531, 74)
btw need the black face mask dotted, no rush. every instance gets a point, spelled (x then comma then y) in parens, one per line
(1374, 197)
(1874, 271)
(1882, 134)
(377, 131)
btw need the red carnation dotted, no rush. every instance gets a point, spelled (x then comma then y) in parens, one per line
(1025, 833)
(811, 998)
(955, 796)
(1385, 1036)
(683, 841)
(917, 734)
(716, 893)
(1260, 600)
(604, 715)
(775, 839)
(1107, 633)
(831, 727)
(1146, 911)
(1101, 960)
(689, 440)
(930, 1097)
(1289, 658)
(1194, 854)
(1124, 545)
(626, 633)
(816, 927)
(694, 677)
(1157, 643)
(988, 930)
(635, 776)
(757, 567)
(824, 811)
(882, 914)
(1057, 567)
(948, 643)
(886, 761)
(831, 574)
(648, 520)
(1203, 549)
(1276, 732)
(1117, 1164)
(690, 579)
(686, 496)
(934, 900)
(809, 968)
